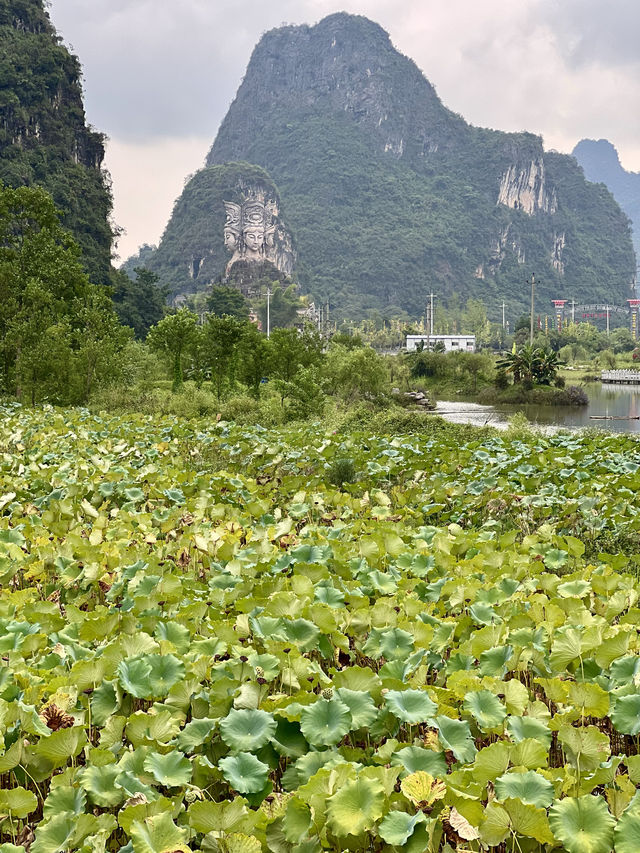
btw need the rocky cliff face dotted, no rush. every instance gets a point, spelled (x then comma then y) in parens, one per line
(601, 164)
(389, 194)
(44, 138)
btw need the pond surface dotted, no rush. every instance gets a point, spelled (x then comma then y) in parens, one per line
(605, 403)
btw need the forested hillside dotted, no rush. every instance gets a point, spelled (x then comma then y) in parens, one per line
(390, 194)
(44, 138)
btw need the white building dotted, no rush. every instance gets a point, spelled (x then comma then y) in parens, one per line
(452, 343)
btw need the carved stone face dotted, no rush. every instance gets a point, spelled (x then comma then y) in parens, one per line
(231, 239)
(254, 239)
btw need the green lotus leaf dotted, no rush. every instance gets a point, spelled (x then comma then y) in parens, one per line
(625, 715)
(288, 739)
(582, 824)
(166, 672)
(62, 745)
(487, 709)
(64, 799)
(247, 730)
(585, 747)
(176, 496)
(625, 669)
(529, 821)
(410, 706)
(134, 676)
(227, 816)
(355, 807)
(238, 842)
(529, 787)
(325, 722)
(626, 834)
(104, 703)
(397, 827)
(17, 802)
(178, 635)
(301, 632)
(132, 785)
(12, 848)
(491, 762)
(269, 664)
(100, 785)
(484, 614)
(389, 643)
(456, 736)
(297, 821)
(494, 661)
(244, 772)
(55, 834)
(415, 758)
(195, 733)
(555, 558)
(520, 728)
(574, 589)
(134, 494)
(158, 834)
(172, 769)
(329, 595)
(361, 706)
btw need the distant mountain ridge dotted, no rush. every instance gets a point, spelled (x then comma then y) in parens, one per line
(44, 137)
(601, 163)
(389, 194)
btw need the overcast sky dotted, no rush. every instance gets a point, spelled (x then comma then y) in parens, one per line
(159, 75)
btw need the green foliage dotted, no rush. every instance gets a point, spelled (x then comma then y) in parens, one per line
(203, 641)
(175, 336)
(139, 303)
(59, 335)
(223, 300)
(44, 138)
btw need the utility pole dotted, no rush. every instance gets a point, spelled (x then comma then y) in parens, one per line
(268, 312)
(573, 312)
(533, 289)
(607, 321)
(503, 324)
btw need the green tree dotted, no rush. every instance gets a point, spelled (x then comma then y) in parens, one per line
(283, 307)
(291, 353)
(46, 325)
(173, 336)
(254, 356)
(359, 372)
(227, 301)
(222, 336)
(140, 303)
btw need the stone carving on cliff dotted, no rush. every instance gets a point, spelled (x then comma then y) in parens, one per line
(523, 188)
(254, 234)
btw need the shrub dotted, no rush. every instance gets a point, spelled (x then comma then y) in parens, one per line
(341, 471)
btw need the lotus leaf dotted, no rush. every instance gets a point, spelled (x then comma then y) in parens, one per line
(355, 807)
(397, 827)
(456, 736)
(172, 769)
(64, 799)
(626, 833)
(100, 785)
(410, 706)
(55, 834)
(361, 707)
(529, 787)
(244, 772)
(414, 758)
(486, 709)
(422, 789)
(17, 802)
(625, 715)
(325, 722)
(582, 824)
(247, 730)
(158, 834)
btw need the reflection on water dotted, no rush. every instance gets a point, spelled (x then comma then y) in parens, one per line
(606, 402)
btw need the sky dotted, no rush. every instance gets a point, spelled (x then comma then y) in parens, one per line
(159, 76)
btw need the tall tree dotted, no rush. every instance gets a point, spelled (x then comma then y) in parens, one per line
(173, 336)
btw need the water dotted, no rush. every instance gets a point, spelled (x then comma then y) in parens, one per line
(611, 401)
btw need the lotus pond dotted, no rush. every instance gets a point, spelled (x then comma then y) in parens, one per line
(209, 645)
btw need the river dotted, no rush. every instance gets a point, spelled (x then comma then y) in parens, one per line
(605, 402)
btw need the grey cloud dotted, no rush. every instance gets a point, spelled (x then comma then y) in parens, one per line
(155, 68)
(594, 31)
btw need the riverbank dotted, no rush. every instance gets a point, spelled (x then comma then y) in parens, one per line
(539, 395)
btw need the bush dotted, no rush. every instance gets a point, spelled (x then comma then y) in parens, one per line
(341, 471)
(501, 380)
